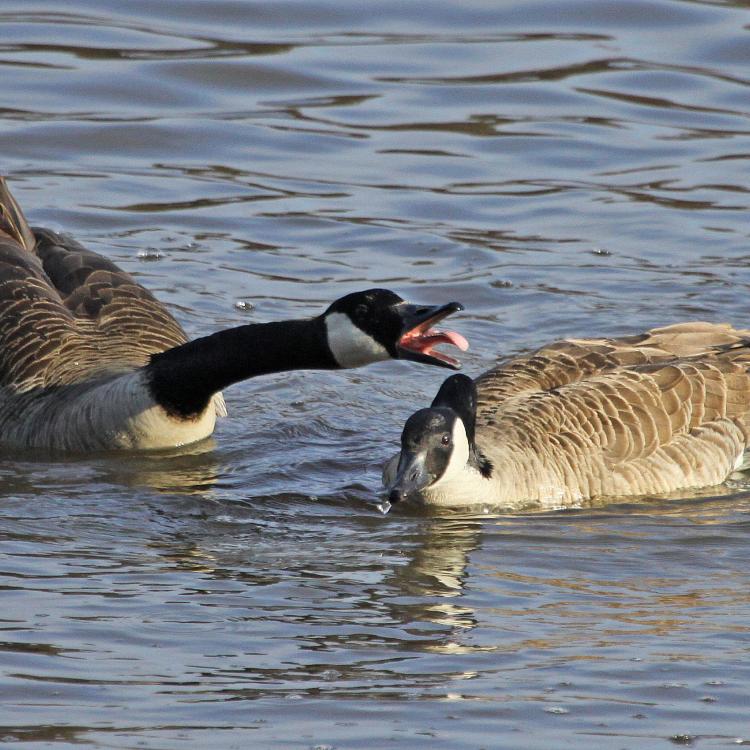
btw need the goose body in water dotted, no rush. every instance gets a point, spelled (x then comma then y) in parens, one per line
(580, 419)
(90, 360)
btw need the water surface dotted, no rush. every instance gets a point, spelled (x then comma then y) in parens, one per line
(562, 168)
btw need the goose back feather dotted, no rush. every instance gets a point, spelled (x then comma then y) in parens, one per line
(80, 304)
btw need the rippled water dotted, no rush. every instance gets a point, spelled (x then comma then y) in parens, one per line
(561, 168)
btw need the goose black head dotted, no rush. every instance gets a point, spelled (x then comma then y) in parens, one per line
(377, 324)
(439, 442)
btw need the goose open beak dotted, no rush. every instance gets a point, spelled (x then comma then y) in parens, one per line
(419, 338)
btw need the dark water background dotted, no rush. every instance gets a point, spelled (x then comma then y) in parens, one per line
(563, 168)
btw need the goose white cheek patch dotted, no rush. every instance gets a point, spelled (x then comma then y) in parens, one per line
(350, 346)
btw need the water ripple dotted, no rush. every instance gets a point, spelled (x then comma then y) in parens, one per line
(563, 168)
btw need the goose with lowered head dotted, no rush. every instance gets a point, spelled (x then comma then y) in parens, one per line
(653, 413)
(90, 360)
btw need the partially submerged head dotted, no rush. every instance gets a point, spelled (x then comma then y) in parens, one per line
(437, 444)
(377, 324)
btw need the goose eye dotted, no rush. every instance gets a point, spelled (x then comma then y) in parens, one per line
(445, 439)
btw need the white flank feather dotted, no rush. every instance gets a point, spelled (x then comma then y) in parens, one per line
(118, 413)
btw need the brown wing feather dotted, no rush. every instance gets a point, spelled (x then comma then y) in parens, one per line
(653, 413)
(572, 360)
(93, 288)
(68, 314)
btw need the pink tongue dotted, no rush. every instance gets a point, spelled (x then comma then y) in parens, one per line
(454, 338)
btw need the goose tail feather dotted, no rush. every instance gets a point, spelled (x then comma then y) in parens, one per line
(12, 221)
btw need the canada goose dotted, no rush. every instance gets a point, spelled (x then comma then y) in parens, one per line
(90, 360)
(652, 413)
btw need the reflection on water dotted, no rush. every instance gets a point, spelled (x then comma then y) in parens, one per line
(562, 168)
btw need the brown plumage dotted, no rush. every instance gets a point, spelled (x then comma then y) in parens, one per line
(666, 410)
(61, 303)
(579, 419)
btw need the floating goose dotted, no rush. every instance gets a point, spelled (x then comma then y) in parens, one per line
(653, 413)
(90, 360)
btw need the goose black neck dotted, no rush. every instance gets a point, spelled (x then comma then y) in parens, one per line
(479, 461)
(184, 379)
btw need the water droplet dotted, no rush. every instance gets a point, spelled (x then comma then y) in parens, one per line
(244, 305)
(384, 507)
(559, 710)
(150, 253)
(709, 699)
(682, 739)
(601, 252)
